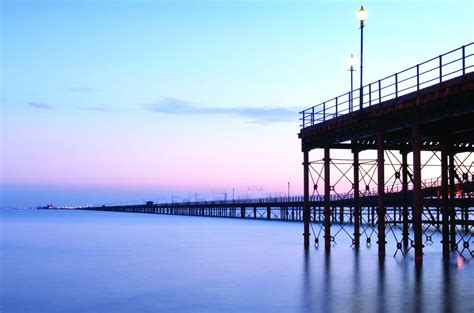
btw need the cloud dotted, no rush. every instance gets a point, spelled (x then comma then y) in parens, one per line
(93, 108)
(40, 105)
(252, 114)
(79, 89)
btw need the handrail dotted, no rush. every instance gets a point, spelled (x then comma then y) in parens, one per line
(292, 200)
(422, 75)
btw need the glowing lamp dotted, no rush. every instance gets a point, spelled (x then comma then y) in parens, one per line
(362, 14)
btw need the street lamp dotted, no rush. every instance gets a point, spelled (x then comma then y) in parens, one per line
(351, 61)
(362, 16)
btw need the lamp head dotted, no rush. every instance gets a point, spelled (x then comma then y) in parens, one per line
(362, 14)
(351, 62)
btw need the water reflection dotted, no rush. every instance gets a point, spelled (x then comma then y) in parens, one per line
(356, 283)
(366, 283)
(381, 299)
(418, 294)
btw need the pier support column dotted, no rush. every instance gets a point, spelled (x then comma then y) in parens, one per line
(381, 194)
(327, 200)
(417, 203)
(405, 233)
(242, 212)
(356, 200)
(452, 191)
(444, 194)
(306, 233)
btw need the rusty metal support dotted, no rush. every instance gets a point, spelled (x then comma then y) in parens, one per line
(306, 221)
(452, 191)
(327, 200)
(445, 209)
(381, 194)
(405, 233)
(417, 204)
(356, 200)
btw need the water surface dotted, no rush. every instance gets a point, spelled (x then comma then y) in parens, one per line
(81, 261)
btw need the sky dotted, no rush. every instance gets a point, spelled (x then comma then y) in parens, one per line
(124, 101)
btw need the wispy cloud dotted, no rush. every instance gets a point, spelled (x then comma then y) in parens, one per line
(252, 114)
(94, 108)
(79, 89)
(40, 105)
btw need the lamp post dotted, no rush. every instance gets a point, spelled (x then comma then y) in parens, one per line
(362, 16)
(351, 61)
(288, 191)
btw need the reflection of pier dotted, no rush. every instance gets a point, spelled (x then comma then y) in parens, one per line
(424, 114)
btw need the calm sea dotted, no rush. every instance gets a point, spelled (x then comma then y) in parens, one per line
(80, 261)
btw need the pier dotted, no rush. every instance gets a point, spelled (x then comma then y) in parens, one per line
(416, 121)
(411, 141)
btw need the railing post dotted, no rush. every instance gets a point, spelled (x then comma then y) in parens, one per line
(440, 68)
(312, 116)
(418, 77)
(370, 95)
(380, 91)
(463, 60)
(304, 122)
(324, 111)
(396, 85)
(336, 106)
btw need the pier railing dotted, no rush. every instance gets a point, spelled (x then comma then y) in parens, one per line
(457, 62)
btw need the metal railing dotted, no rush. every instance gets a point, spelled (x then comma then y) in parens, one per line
(457, 62)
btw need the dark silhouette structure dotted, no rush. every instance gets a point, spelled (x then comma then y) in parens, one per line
(425, 110)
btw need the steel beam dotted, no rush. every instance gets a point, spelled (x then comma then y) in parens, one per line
(417, 203)
(445, 197)
(327, 200)
(306, 221)
(381, 194)
(452, 191)
(405, 233)
(356, 200)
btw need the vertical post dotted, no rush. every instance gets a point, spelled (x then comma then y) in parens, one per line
(242, 212)
(356, 200)
(351, 97)
(361, 89)
(370, 95)
(463, 60)
(324, 111)
(440, 68)
(380, 91)
(417, 204)
(452, 190)
(380, 194)
(269, 213)
(396, 85)
(417, 77)
(444, 192)
(306, 198)
(327, 201)
(405, 233)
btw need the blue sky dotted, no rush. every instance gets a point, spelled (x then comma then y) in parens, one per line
(108, 101)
